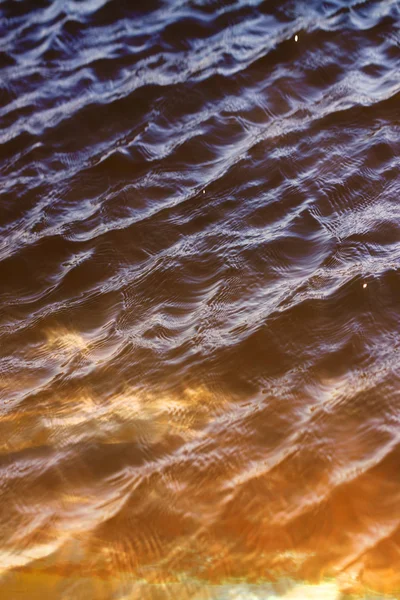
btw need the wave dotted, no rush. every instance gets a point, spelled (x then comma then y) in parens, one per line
(199, 274)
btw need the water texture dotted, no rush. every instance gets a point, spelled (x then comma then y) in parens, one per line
(199, 299)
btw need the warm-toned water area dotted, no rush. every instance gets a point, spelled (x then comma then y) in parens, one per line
(199, 299)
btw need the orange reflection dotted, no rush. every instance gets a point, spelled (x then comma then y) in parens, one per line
(139, 489)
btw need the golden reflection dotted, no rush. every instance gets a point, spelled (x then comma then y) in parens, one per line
(61, 341)
(160, 489)
(98, 589)
(125, 417)
(327, 591)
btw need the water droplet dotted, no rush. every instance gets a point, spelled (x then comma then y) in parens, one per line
(296, 38)
(364, 285)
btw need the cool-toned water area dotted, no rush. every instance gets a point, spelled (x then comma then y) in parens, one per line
(199, 299)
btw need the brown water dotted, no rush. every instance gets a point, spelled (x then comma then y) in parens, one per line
(199, 299)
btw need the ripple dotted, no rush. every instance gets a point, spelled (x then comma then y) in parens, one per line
(199, 274)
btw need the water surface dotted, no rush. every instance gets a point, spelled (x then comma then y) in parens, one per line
(199, 299)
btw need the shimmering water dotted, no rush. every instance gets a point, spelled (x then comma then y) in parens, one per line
(199, 299)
